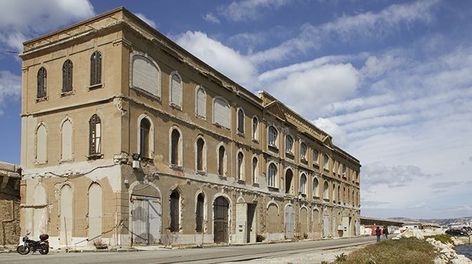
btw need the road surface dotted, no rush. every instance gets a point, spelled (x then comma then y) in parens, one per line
(190, 256)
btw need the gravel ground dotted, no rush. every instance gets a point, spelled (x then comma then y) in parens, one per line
(308, 257)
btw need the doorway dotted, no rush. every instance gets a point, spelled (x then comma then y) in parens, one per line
(146, 216)
(289, 222)
(220, 212)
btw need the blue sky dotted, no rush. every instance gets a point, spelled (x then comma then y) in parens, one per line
(390, 80)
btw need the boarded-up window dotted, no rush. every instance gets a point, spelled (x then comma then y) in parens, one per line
(255, 128)
(201, 102)
(67, 76)
(95, 212)
(176, 90)
(95, 138)
(200, 154)
(42, 80)
(288, 181)
(66, 132)
(221, 160)
(273, 219)
(66, 206)
(175, 147)
(326, 191)
(41, 144)
(199, 213)
(316, 191)
(144, 130)
(240, 167)
(254, 170)
(303, 151)
(315, 156)
(175, 211)
(146, 75)
(273, 134)
(240, 121)
(272, 172)
(303, 184)
(96, 68)
(221, 113)
(325, 161)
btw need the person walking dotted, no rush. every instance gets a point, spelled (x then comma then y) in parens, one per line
(378, 233)
(385, 232)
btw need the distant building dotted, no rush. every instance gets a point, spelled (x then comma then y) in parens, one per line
(9, 204)
(127, 138)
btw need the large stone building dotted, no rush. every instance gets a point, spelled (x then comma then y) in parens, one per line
(9, 204)
(127, 138)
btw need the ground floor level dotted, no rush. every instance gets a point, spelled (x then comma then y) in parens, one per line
(118, 206)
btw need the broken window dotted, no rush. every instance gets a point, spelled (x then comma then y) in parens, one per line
(221, 160)
(175, 145)
(200, 154)
(95, 135)
(42, 83)
(144, 128)
(199, 213)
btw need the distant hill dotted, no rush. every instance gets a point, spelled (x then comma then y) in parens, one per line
(443, 222)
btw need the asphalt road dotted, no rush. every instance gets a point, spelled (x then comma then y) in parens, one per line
(191, 255)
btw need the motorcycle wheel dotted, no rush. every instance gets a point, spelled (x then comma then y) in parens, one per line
(22, 250)
(44, 249)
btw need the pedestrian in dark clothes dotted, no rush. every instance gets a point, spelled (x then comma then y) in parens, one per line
(378, 233)
(385, 231)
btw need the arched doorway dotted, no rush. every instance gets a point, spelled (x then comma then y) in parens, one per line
(146, 214)
(289, 221)
(288, 181)
(303, 223)
(221, 220)
(66, 205)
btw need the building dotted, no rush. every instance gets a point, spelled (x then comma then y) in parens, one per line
(9, 204)
(127, 139)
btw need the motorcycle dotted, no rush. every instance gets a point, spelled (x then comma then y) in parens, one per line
(32, 245)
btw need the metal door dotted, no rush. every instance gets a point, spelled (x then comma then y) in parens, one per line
(221, 207)
(289, 222)
(146, 218)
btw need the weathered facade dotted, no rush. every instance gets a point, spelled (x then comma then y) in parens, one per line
(129, 139)
(9, 204)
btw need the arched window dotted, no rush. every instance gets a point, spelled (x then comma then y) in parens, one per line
(288, 181)
(175, 211)
(303, 184)
(326, 190)
(240, 168)
(144, 138)
(176, 90)
(200, 102)
(272, 173)
(67, 76)
(333, 193)
(255, 169)
(221, 113)
(303, 151)
(41, 144)
(240, 121)
(221, 161)
(175, 148)
(315, 156)
(201, 157)
(325, 162)
(273, 134)
(289, 144)
(340, 195)
(42, 79)
(95, 135)
(316, 192)
(255, 128)
(66, 140)
(96, 68)
(200, 213)
(146, 75)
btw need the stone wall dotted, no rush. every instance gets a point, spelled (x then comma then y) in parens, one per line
(9, 204)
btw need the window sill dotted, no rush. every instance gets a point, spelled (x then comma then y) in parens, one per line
(273, 189)
(66, 161)
(273, 147)
(255, 140)
(202, 173)
(95, 86)
(255, 184)
(176, 167)
(64, 94)
(40, 162)
(239, 133)
(220, 126)
(289, 155)
(41, 99)
(304, 160)
(200, 117)
(222, 177)
(241, 182)
(175, 106)
(95, 156)
(146, 93)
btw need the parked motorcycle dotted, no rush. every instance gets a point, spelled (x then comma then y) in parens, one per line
(32, 245)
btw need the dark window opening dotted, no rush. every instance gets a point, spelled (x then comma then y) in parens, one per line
(144, 128)
(199, 213)
(67, 76)
(175, 211)
(42, 83)
(94, 135)
(175, 141)
(200, 146)
(221, 160)
(96, 68)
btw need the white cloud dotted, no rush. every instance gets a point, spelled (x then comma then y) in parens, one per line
(224, 59)
(10, 87)
(337, 133)
(211, 18)
(346, 28)
(248, 9)
(22, 19)
(146, 19)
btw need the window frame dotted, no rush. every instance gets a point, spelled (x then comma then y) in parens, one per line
(176, 105)
(272, 143)
(96, 78)
(67, 77)
(41, 84)
(197, 114)
(240, 116)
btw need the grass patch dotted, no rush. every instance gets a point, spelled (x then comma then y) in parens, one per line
(444, 238)
(402, 251)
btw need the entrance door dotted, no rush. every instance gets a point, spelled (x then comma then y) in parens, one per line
(146, 218)
(289, 222)
(251, 212)
(220, 213)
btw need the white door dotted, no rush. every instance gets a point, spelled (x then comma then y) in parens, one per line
(66, 216)
(146, 218)
(95, 212)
